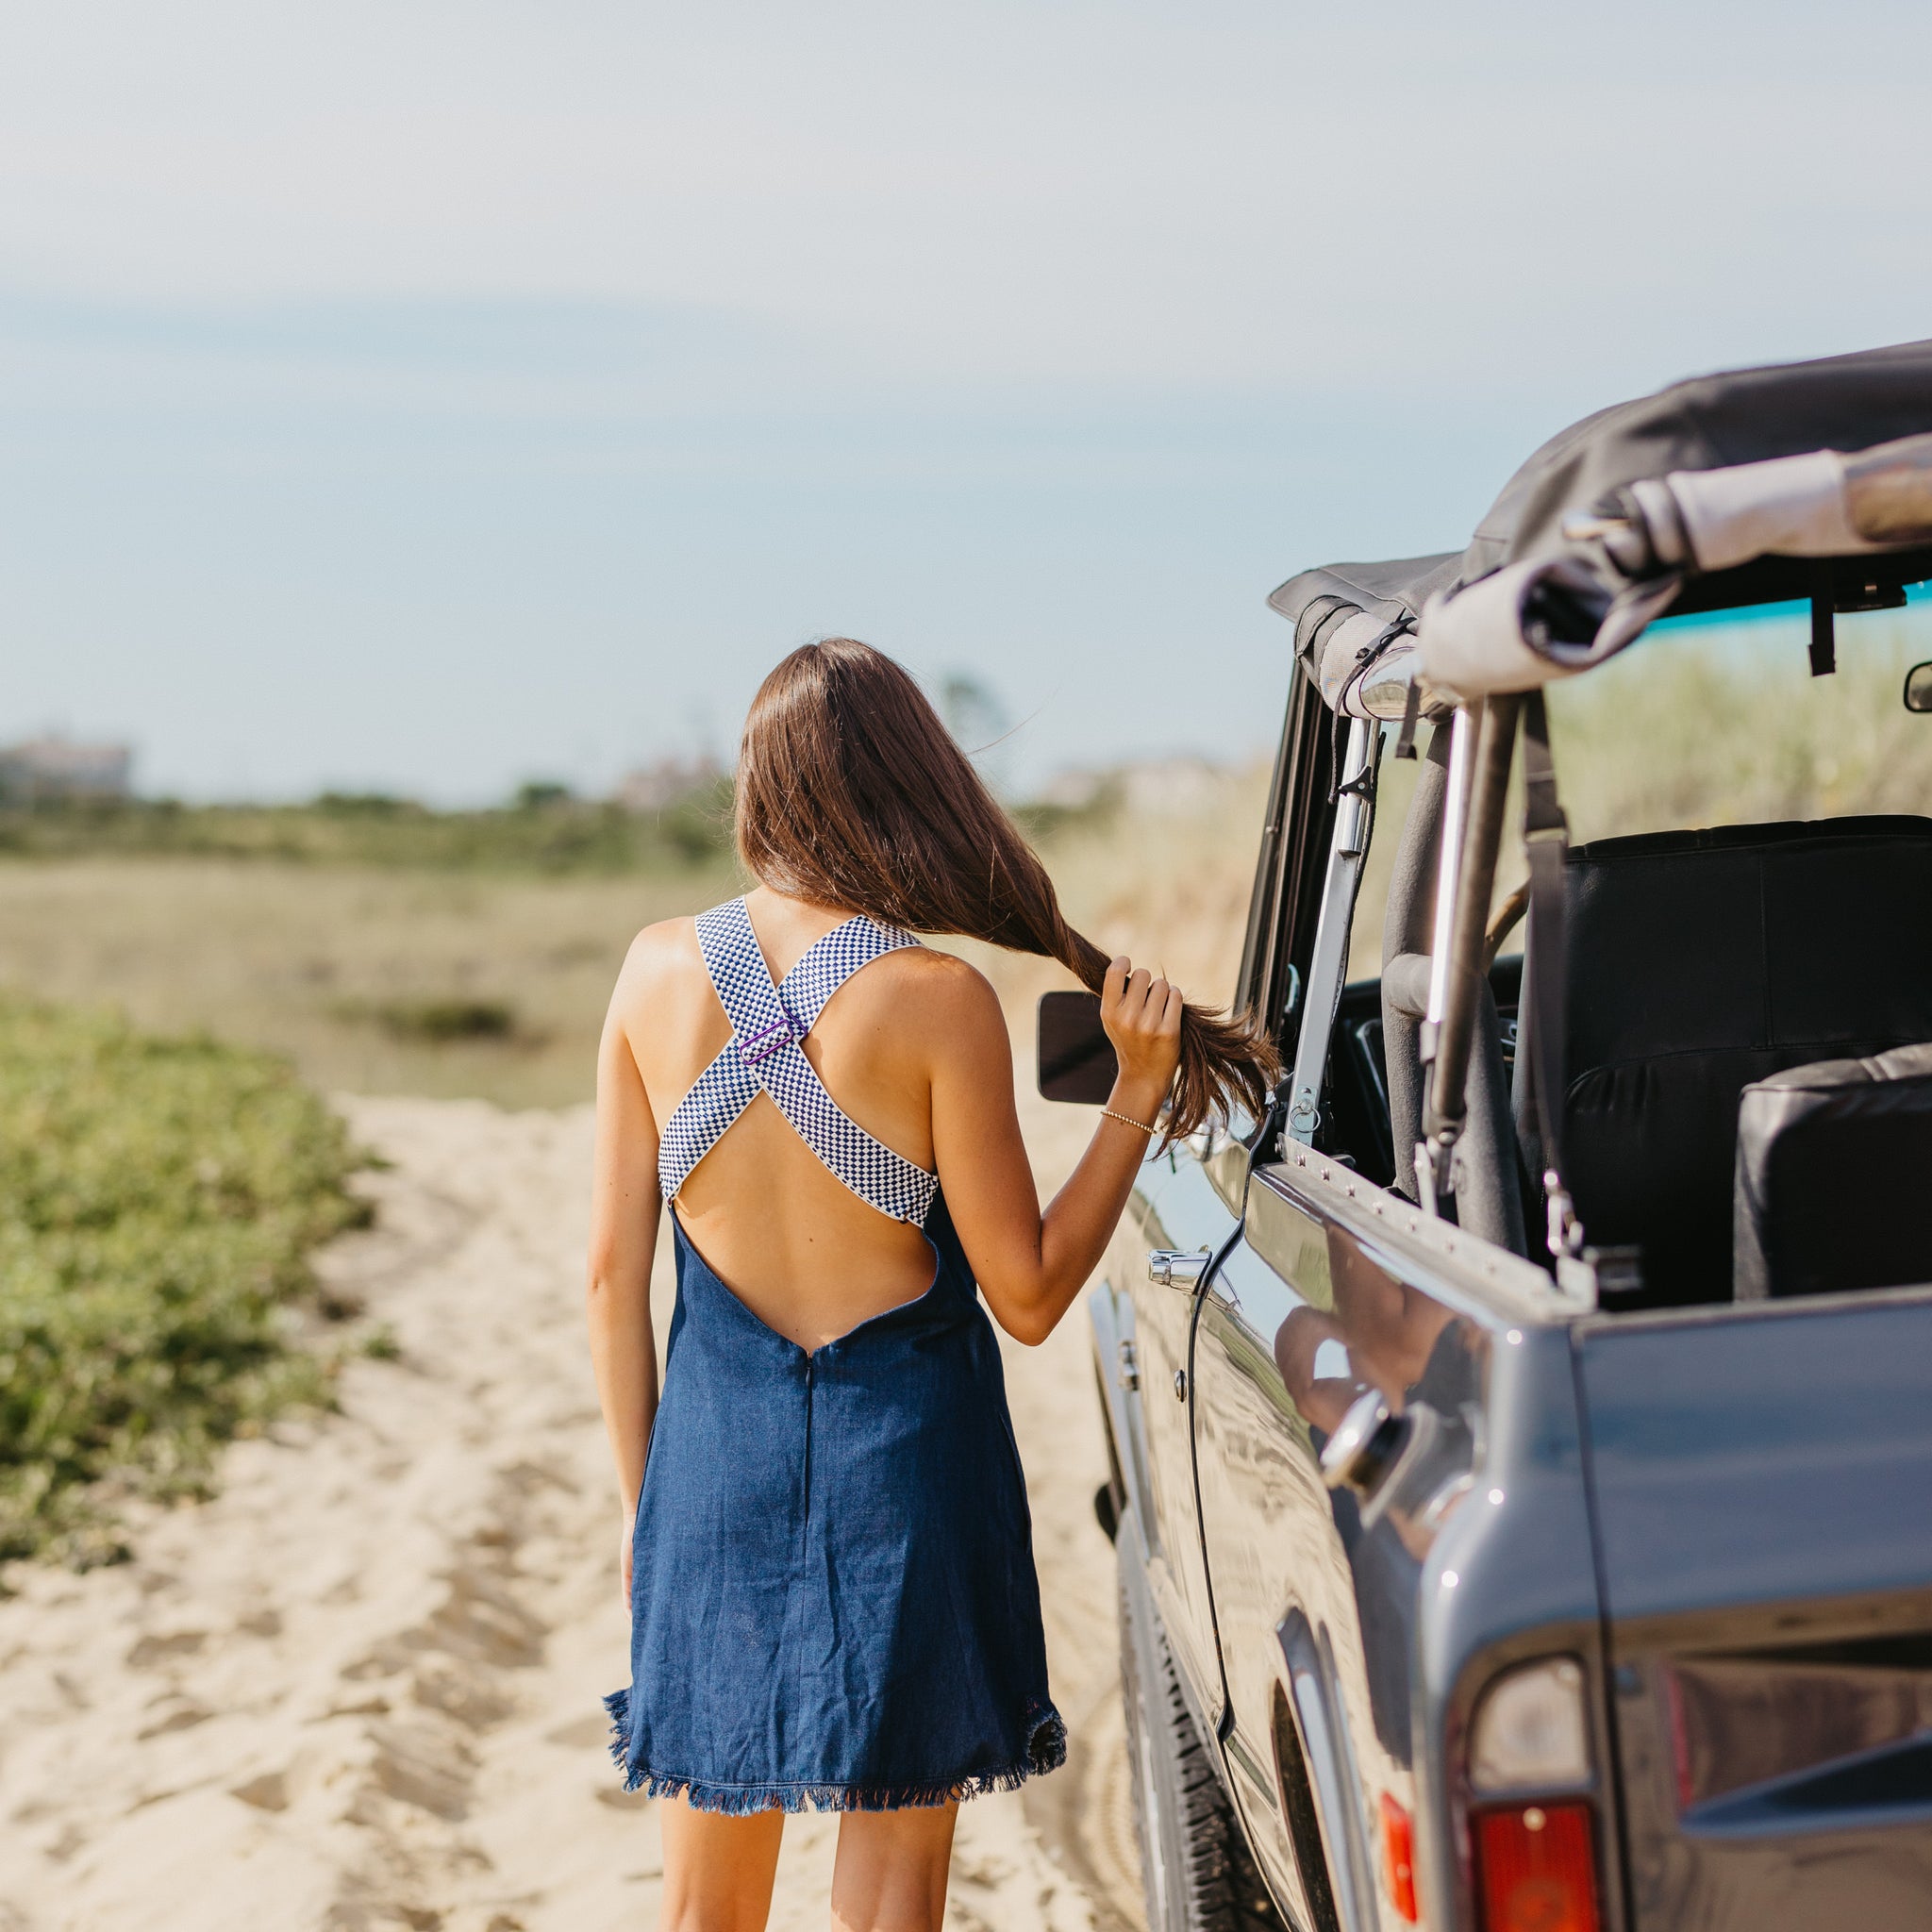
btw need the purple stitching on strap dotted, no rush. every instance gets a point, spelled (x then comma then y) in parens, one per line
(763, 1045)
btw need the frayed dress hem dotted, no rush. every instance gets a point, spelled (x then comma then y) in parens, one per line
(1046, 1750)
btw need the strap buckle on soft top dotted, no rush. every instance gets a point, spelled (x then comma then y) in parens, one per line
(762, 1045)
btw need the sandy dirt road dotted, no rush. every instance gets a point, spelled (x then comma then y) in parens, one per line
(360, 1689)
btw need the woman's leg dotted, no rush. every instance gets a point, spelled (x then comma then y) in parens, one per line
(718, 1870)
(891, 1874)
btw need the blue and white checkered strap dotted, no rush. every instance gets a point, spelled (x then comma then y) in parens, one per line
(768, 1023)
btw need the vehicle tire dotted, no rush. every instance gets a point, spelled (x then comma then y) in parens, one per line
(1195, 1869)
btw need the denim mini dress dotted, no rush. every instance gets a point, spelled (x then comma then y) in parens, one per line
(833, 1602)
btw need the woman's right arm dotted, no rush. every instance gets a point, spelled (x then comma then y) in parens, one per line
(1030, 1266)
(625, 1207)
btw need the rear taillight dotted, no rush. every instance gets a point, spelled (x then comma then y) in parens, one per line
(1531, 1730)
(1536, 1869)
(1398, 1858)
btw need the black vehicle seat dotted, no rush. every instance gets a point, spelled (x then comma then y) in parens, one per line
(1833, 1164)
(1700, 963)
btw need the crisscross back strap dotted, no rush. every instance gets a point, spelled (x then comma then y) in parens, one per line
(768, 1024)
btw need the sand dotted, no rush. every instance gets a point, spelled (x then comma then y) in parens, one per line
(361, 1686)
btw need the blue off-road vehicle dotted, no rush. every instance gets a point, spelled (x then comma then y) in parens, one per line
(1522, 1437)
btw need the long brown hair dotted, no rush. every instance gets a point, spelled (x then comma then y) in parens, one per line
(852, 793)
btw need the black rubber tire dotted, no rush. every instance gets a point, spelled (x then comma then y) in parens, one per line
(1196, 1872)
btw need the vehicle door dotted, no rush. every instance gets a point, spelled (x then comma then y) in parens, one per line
(1175, 1221)
(1185, 1210)
(1315, 1606)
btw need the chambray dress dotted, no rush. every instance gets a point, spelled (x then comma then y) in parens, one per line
(833, 1601)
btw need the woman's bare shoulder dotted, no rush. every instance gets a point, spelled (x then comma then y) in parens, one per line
(660, 958)
(938, 993)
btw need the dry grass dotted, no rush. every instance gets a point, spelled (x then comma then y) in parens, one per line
(1165, 881)
(448, 983)
(334, 967)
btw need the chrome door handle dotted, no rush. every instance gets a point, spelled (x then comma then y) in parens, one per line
(1177, 1267)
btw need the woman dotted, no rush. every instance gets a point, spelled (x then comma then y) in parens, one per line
(829, 1567)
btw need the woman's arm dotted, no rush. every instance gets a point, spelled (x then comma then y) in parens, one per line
(1030, 1266)
(625, 1207)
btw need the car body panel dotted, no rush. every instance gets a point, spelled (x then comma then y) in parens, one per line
(1722, 1514)
(1176, 1206)
(1725, 1514)
(1762, 1483)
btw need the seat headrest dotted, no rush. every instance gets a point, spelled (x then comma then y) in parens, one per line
(1833, 1160)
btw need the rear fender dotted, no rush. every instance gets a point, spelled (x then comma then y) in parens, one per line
(1761, 1475)
(1512, 1576)
(1318, 1731)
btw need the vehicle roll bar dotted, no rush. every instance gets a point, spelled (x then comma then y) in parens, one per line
(1453, 1011)
(1481, 748)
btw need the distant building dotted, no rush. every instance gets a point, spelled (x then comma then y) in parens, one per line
(653, 787)
(53, 770)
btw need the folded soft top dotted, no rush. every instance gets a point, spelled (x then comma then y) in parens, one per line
(1620, 518)
(1710, 423)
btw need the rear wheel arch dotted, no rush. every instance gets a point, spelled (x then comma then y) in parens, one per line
(1324, 1758)
(1296, 1795)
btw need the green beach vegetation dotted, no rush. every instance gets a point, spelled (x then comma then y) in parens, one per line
(159, 1199)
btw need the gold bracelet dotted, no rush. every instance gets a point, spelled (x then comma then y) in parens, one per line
(1127, 1120)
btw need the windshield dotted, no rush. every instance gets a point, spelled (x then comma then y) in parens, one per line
(1716, 720)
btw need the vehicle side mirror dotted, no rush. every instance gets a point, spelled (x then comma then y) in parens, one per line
(1076, 1059)
(1919, 688)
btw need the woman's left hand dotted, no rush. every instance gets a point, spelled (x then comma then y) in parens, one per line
(1141, 1014)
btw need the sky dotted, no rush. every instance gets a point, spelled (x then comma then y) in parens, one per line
(427, 397)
